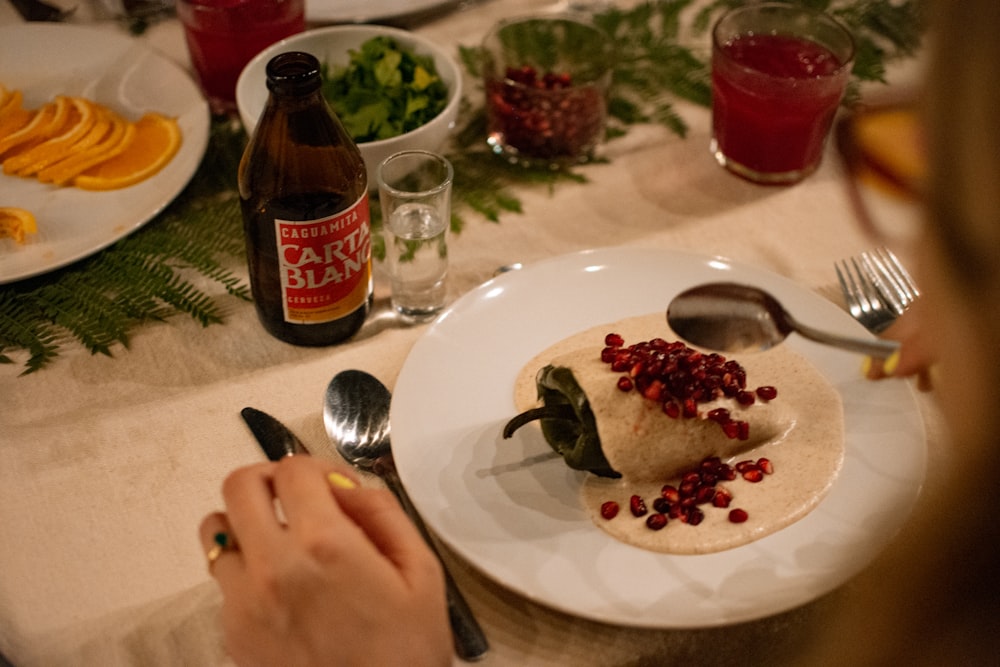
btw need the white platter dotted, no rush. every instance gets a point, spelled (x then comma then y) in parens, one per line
(514, 512)
(45, 60)
(366, 11)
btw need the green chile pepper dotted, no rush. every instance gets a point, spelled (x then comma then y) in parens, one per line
(567, 421)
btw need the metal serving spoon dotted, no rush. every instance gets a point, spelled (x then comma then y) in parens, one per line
(730, 317)
(356, 416)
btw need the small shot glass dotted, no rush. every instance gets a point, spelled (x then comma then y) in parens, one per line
(415, 193)
(546, 81)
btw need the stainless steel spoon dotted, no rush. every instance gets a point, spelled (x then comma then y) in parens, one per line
(356, 416)
(729, 317)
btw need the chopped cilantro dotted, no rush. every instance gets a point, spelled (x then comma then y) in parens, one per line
(384, 91)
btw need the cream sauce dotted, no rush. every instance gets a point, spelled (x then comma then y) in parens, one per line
(801, 432)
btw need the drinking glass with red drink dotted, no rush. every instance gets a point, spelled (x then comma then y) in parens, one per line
(223, 35)
(778, 75)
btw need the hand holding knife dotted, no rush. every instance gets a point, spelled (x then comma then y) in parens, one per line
(278, 441)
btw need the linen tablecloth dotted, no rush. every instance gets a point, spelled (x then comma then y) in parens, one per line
(108, 464)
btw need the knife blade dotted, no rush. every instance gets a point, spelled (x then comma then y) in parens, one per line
(276, 439)
(36, 10)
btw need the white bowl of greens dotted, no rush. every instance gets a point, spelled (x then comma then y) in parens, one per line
(386, 107)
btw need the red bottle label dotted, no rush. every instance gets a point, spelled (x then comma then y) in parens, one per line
(325, 264)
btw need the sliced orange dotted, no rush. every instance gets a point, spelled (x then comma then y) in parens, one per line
(13, 116)
(16, 223)
(115, 140)
(79, 122)
(46, 121)
(157, 140)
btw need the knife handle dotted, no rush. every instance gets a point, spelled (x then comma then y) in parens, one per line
(470, 640)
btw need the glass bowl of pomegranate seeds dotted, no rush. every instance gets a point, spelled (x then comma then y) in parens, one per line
(546, 81)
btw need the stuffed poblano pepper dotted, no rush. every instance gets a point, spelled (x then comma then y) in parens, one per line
(567, 421)
(661, 405)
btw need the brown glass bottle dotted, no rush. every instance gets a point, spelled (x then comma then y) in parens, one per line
(304, 195)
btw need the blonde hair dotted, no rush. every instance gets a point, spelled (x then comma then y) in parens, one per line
(934, 597)
(962, 104)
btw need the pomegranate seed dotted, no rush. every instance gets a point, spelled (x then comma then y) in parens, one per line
(767, 393)
(731, 429)
(738, 515)
(743, 466)
(608, 354)
(614, 340)
(743, 433)
(661, 505)
(745, 398)
(705, 494)
(670, 493)
(671, 409)
(753, 475)
(718, 415)
(609, 510)
(654, 391)
(637, 505)
(625, 383)
(721, 500)
(694, 516)
(656, 521)
(766, 466)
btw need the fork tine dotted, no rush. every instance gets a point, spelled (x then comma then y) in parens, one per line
(862, 297)
(893, 280)
(849, 289)
(907, 285)
(869, 289)
(883, 281)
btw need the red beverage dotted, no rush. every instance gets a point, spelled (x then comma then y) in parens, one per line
(223, 35)
(774, 96)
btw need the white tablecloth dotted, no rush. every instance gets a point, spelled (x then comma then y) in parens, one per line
(108, 464)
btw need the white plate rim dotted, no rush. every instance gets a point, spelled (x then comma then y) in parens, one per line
(131, 78)
(445, 421)
(365, 11)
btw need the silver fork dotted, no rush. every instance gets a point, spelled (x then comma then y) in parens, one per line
(864, 301)
(891, 279)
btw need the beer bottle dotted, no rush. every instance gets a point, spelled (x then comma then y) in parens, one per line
(304, 196)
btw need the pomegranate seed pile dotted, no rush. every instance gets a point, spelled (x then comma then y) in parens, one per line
(545, 116)
(698, 487)
(681, 378)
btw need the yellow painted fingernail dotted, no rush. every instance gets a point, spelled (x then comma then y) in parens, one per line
(340, 481)
(890, 364)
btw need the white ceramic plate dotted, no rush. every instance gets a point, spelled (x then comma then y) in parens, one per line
(46, 59)
(514, 512)
(364, 11)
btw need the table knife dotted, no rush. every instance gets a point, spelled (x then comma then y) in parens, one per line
(276, 439)
(36, 10)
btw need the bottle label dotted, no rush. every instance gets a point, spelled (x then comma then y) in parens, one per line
(325, 264)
